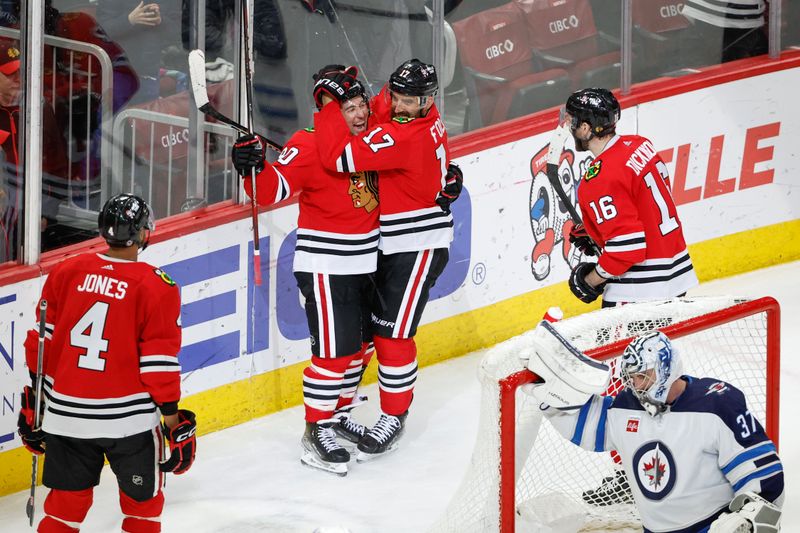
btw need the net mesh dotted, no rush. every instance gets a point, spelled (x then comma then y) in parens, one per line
(560, 487)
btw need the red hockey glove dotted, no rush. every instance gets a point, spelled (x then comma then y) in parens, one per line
(581, 240)
(32, 439)
(580, 288)
(454, 182)
(182, 443)
(248, 154)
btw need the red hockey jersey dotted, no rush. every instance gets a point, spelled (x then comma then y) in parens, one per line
(337, 229)
(111, 352)
(628, 210)
(411, 156)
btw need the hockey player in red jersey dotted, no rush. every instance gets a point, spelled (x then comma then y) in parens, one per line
(110, 373)
(334, 263)
(627, 209)
(406, 142)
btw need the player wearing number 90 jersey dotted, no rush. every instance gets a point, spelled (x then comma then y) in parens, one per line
(111, 354)
(627, 208)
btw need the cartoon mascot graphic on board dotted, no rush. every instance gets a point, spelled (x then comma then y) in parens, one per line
(550, 221)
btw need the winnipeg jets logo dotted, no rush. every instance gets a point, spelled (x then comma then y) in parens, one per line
(655, 470)
(718, 387)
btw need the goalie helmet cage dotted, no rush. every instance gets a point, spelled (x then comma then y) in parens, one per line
(524, 475)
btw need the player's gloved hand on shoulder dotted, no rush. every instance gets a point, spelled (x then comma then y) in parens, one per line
(581, 240)
(454, 182)
(32, 439)
(335, 85)
(248, 154)
(182, 443)
(580, 287)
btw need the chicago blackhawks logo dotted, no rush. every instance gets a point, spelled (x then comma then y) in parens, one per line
(655, 470)
(363, 190)
(164, 277)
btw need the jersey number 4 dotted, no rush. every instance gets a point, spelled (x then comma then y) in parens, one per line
(87, 333)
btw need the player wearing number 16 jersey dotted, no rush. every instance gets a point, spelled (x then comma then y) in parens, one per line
(627, 210)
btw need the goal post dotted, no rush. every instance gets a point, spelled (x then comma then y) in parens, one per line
(514, 478)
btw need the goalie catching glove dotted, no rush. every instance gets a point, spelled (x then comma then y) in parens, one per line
(750, 513)
(182, 443)
(33, 439)
(570, 378)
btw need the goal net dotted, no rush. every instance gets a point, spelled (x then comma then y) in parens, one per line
(523, 474)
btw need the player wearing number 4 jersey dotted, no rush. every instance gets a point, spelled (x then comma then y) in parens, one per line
(407, 144)
(627, 210)
(111, 372)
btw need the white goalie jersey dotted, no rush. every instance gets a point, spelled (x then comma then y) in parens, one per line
(686, 465)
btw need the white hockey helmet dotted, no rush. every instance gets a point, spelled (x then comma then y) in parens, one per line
(652, 351)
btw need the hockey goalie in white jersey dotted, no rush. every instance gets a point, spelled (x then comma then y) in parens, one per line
(699, 460)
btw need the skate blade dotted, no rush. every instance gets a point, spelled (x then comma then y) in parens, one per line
(312, 461)
(364, 457)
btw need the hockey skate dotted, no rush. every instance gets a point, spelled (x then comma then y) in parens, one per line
(347, 428)
(320, 449)
(612, 490)
(382, 437)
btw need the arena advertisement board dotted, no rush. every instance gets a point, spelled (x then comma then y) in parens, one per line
(731, 153)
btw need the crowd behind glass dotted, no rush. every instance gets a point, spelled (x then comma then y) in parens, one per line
(118, 116)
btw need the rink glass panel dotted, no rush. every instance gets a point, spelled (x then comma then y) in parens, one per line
(135, 128)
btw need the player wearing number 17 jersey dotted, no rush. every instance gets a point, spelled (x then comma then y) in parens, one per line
(627, 210)
(407, 144)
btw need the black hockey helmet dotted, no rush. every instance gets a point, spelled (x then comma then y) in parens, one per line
(122, 220)
(595, 106)
(414, 78)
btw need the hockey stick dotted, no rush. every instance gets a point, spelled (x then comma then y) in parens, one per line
(197, 74)
(37, 416)
(557, 141)
(248, 82)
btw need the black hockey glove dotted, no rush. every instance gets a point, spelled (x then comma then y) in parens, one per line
(337, 85)
(454, 182)
(580, 288)
(182, 443)
(580, 239)
(32, 439)
(248, 153)
(332, 69)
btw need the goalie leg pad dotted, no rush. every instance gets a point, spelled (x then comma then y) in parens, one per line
(570, 378)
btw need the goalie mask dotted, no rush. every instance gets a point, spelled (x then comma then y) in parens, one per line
(650, 365)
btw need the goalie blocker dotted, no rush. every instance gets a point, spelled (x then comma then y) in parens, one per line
(570, 378)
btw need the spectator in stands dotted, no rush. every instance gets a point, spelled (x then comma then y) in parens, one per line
(141, 30)
(54, 160)
(741, 30)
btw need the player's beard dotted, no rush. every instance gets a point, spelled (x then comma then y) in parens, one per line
(580, 144)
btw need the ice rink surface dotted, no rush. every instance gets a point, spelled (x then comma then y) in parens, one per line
(249, 478)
